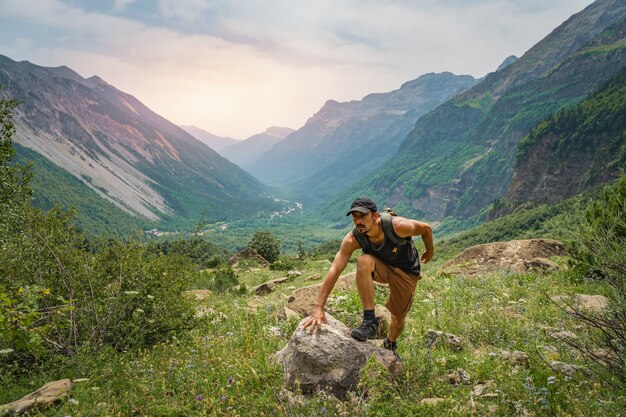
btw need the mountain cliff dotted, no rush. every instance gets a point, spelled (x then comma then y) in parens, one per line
(459, 158)
(122, 150)
(247, 152)
(346, 141)
(572, 151)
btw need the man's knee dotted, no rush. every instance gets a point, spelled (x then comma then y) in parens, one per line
(366, 263)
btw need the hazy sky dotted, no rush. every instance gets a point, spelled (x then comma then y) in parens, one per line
(236, 67)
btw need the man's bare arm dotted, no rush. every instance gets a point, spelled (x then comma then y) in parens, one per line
(407, 227)
(348, 245)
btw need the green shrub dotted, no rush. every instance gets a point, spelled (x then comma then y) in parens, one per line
(599, 253)
(286, 263)
(266, 244)
(326, 249)
(223, 279)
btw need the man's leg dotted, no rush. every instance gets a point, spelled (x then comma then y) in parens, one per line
(395, 328)
(365, 267)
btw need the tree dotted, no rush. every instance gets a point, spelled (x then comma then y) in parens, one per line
(266, 244)
(15, 191)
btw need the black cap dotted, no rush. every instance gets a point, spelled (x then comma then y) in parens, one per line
(362, 205)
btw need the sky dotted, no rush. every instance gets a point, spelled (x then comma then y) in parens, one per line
(237, 67)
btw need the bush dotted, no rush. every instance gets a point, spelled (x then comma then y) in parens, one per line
(266, 244)
(599, 253)
(57, 294)
(223, 279)
(286, 263)
(326, 249)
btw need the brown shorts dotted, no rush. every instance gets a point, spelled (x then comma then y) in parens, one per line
(401, 284)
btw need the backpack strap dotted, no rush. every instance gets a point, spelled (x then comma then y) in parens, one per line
(390, 235)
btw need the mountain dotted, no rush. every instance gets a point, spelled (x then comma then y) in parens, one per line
(345, 141)
(459, 158)
(121, 150)
(247, 152)
(572, 151)
(217, 143)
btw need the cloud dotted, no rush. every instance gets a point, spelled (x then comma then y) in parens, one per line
(235, 67)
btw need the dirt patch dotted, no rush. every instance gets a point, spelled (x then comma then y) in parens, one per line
(513, 256)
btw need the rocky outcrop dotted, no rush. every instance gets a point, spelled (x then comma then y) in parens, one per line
(329, 360)
(512, 256)
(248, 253)
(43, 398)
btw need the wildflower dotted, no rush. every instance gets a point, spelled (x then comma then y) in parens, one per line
(46, 291)
(229, 408)
(551, 379)
(229, 333)
(199, 397)
(223, 398)
(230, 380)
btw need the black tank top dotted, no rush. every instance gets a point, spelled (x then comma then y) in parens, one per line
(403, 256)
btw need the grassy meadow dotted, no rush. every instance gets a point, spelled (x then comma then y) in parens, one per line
(221, 366)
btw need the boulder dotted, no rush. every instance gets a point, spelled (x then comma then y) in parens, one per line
(43, 398)
(301, 300)
(248, 253)
(513, 256)
(265, 288)
(329, 360)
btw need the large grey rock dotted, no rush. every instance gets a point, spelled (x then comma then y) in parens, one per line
(329, 360)
(43, 398)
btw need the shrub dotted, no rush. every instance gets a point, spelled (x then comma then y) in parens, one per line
(223, 279)
(326, 249)
(266, 244)
(599, 252)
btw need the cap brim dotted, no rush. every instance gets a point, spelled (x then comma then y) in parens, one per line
(359, 209)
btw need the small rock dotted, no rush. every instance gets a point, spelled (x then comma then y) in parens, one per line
(540, 265)
(435, 337)
(431, 401)
(290, 314)
(564, 335)
(565, 368)
(519, 358)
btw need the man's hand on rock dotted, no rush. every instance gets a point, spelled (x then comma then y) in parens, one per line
(315, 321)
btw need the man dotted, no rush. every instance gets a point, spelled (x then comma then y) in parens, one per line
(385, 259)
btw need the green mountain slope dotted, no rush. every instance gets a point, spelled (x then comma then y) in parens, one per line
(123, 151)
(459, 158)
(571, 151)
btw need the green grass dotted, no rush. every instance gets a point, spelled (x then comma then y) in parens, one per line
(224, 359)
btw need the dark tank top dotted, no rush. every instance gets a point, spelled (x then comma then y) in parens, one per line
(403, 256)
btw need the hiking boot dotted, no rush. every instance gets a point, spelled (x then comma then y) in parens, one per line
(367, 330)
(387, 344)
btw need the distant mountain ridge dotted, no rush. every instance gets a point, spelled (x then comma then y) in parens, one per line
(247, 152)
(346, 141)
(459, 158)
(122, 150)
(217, 143)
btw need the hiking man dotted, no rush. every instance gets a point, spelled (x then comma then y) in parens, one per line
(389, 256)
